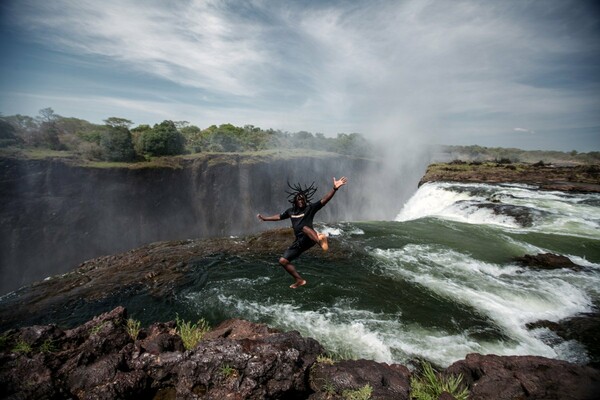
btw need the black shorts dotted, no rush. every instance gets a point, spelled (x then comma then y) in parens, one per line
(300, 245)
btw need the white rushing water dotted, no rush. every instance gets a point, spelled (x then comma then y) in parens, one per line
(550, 212)
(507, 295)
(497, 296)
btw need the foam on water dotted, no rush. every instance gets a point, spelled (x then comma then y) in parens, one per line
(339, 230)
(430, 199)
(339, 329)
(504, 294)
(550, 212)
(494, 301)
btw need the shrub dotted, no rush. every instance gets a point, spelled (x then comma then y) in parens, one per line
(429, 386)
(191, 334)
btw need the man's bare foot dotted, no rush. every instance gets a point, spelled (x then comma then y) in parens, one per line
(299, 283)
(323, 242)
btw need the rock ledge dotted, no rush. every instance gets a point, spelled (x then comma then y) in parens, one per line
(242, 360)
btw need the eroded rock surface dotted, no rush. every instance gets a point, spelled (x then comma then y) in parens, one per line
(526, 377)
(100, 360)
(243, 360)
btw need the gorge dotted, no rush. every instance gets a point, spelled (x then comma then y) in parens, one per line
(55, 214)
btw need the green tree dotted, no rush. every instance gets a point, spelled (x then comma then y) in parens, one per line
(162, 140)
(193, 137)
(26, 127)
(8, 134)
(352, 144)
(136, 134)
(225, 138)
(48, 130)
(117, 144)
(118, 122)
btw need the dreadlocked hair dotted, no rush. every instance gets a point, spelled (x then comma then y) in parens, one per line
(296, 190)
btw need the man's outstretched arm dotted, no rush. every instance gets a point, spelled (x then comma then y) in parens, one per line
(336, 185)
(275, 217)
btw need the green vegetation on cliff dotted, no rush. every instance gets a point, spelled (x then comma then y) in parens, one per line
(53, 136)
(117, 144)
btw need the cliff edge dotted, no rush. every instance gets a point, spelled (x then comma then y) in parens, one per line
(580, 178)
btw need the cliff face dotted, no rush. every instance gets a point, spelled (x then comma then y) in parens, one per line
(54, 215)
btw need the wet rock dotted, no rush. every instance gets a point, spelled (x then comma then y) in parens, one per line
(240, 329)
(547, 261)
(524, 216)
(160, 338)
(386, 381)
(154, 270)
(526, 377)
(583, 328)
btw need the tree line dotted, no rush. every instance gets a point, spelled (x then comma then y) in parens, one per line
(116, 140)
(510, 155)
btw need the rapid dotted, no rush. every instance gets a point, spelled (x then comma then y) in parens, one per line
(438, 282)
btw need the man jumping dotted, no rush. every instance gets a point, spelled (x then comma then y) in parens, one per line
(301, 215)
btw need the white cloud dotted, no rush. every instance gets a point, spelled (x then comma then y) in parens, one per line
(524, 130)
(433, 68)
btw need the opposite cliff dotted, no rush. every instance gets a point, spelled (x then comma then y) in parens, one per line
(579, 178)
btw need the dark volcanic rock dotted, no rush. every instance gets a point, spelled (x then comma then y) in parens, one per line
(583, 328)
(526, 377)
(547, 261)
(580, 178)
(243, 360)
(100, 360)
(329, 381)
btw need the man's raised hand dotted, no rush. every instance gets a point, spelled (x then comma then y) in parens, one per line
(339, 183)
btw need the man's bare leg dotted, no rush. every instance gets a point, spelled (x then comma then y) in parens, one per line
(320, 238)
(292, 271)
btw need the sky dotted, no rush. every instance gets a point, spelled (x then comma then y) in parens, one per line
(505, 73)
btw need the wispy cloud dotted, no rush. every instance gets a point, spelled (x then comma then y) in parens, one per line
(440, 69)
(524, 130)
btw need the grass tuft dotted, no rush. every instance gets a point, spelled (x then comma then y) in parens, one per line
(48, 346)
(429, 386)
(191, 334)
(364, 393)
(228, 371)
(22, 347)
(324, 359)
(133, 328)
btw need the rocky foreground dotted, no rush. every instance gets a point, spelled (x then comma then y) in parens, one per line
(243, 360)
